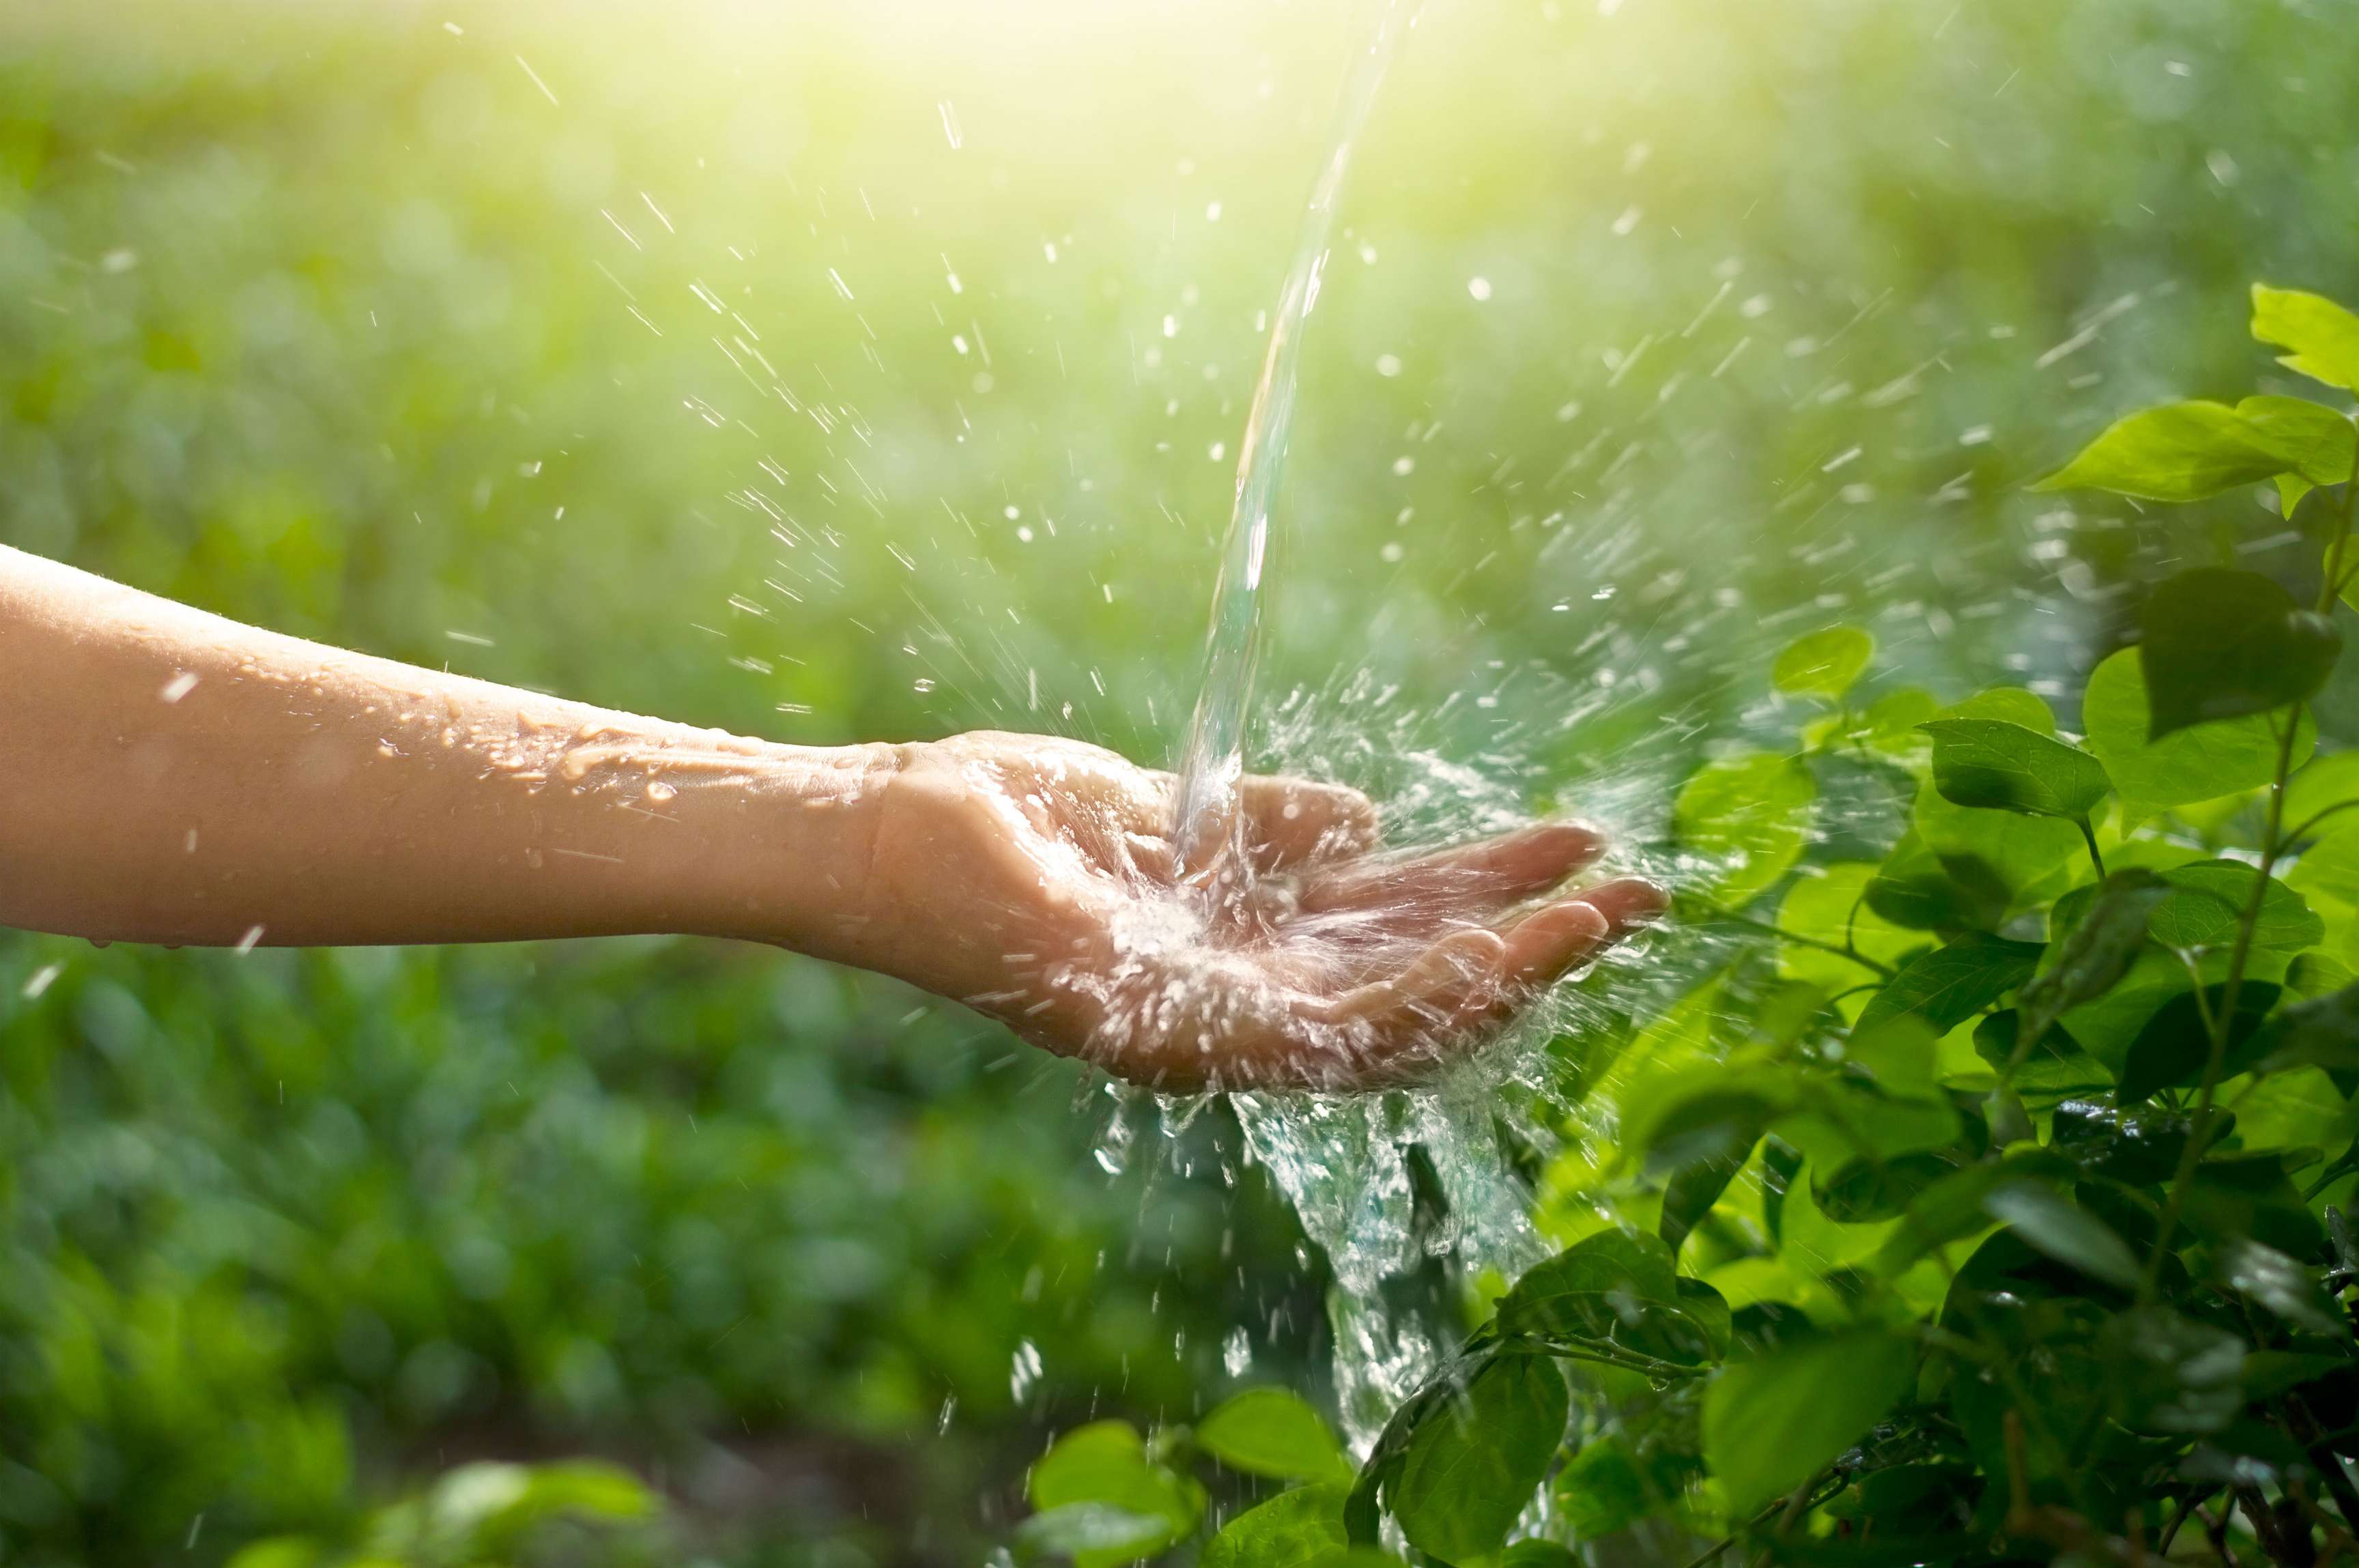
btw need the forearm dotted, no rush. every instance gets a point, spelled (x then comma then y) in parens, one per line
(174, 777)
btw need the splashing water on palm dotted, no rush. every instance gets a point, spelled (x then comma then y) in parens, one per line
(1204, 828)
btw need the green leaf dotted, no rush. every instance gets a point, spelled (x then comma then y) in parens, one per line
(2053, 1068)
(1996, 766)
(1380, 1476)
(2172, 1047)
(2321, 1032)
(1772, 1423)
(2180, 451)
(2021, 859)
(1902, 1054)
(2010, 704)
(1825, 905)
(1752, 812)
(2137, 1149)
(1865, 1191)
(285, 1552)
(1602, 1490)
(2051, 1223)
(1892, 720)
(2315, 439)
(2323, 336)
(1691, 1191)
(2224, 644)
(1293, 1529)
(2168, 1374)
(1274, 1432)
(1824, 663)
(1090, 1532)
(2328, 780)
(1953, 1208)
(1918, 890)
(1538, 1554)
(1616, 1287)
(1673, 1120)
(1106, 1463)
(1952, 983)
(2098, 951)
(2293, 1290)
(2238, 1196)
(2202, 763)
(1476, 1461)
(2207, 900)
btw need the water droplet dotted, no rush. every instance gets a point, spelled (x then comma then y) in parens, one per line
(1479, 288)
(1024, 1373)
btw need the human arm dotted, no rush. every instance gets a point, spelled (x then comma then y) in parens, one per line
(180, 777)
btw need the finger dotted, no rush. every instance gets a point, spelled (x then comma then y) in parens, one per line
(1463, 988)
(1293, 822)
(1627, 902)
(1461, 970)
(1548, 942)
(1474, 882)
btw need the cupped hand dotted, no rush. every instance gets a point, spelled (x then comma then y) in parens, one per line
(1034, 879)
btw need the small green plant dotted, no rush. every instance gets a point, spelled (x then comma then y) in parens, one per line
(484, 1515)
(1980, 1205)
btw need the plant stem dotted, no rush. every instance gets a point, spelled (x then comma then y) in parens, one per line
(2171, 1529)
(1721, 912)
(2305, 1431)
(2331, 582)
(2298, 835)
(2225, 1019)
(2089, 837)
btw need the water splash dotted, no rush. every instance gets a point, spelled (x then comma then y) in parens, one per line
(1349, 1166)
(1205, 827)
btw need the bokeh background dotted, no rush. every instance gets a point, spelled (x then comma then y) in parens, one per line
(877, 371)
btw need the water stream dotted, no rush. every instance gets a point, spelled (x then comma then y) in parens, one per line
(1205, 827)
(1350, 1165)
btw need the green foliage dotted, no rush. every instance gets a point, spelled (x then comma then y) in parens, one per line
(1773, 1422)
(1983, 1203)
(1107, 1499)
(1822, 663)
(475, 1516)
(1751, 812)
(2224, 644)
(2181, 451)
(2323, 336)
(1948, 984)
(281, 1230)
(1271, 1432)
(1999, 766)
(1300, 1529)
(2198, 763)
(1475, 1462)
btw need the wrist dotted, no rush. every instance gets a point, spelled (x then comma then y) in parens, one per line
(784, 847)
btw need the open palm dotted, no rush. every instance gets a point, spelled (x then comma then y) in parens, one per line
(1036, 880)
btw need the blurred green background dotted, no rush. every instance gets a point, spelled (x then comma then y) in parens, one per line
(829, 371)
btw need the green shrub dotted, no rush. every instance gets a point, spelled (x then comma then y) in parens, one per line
(1999, 1223)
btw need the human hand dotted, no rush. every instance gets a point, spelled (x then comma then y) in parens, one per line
(1034, 879)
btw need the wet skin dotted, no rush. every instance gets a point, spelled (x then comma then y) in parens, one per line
(179, 778)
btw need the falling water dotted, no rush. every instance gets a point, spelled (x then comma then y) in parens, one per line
(1204, 819)
(1343, 1161)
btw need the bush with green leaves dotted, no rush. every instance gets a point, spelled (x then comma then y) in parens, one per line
(1981, 1203)
(484, 1515)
